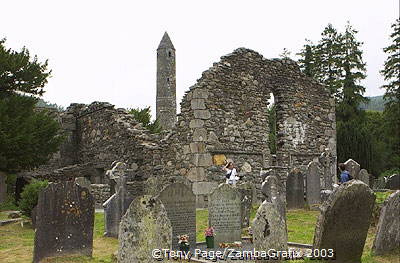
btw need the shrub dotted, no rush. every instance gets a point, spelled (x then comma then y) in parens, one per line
(30, 195)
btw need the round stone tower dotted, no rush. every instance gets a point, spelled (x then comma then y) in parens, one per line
(166, 83)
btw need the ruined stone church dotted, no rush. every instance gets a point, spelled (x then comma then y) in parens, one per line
(223, 116)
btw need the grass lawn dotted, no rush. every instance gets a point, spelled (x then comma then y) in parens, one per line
(16, 242)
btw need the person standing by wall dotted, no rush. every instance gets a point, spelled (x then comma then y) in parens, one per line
(231, 173)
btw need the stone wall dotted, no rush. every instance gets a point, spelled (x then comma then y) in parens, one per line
(100, 192)
(224, 116)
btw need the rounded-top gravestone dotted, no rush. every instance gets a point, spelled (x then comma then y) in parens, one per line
(387, 236)
(225, 214)
(180, 204)
(353, 168)
(344, 221)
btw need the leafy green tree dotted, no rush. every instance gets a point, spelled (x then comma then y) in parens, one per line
(19, 72)
(27, 137)
(144, 117)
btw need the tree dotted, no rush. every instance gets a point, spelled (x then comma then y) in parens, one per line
(306, 61)
(27, 137)
(391, 73)
(18, 72)
(144, 117)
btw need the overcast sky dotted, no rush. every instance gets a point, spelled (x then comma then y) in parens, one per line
(106, 50)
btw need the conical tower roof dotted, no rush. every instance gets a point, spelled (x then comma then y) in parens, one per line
(166, 42)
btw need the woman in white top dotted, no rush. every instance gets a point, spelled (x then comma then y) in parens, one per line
(231, 173)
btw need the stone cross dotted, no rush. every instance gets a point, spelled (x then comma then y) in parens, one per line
(273, 192)
(180, 204)
(269, 229)
(144, 227)
(326, 159)
(116, 206)
(387, 236)
(344, 221)
(64, 221)
(313, 184)
(295, 190)
(225, 214)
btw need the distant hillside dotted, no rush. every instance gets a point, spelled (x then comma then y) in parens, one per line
(376, 103)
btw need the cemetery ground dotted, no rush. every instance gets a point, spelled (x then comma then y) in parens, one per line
(16, 241)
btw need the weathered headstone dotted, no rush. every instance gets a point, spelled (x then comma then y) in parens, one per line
(224, 214)
(295, 190)
(246, 192)
(273, 192)
(116, 206)
(269, 229)
(144, 227)
(313, 184)
(364, 176)
(64, 221)
(3, 187)
(387, 236)
(393, 182)
(329, 169)
(180, 203)
(83, 182)
(344, 221)
(353, 167)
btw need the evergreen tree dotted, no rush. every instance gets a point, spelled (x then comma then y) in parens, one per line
(27, 137)
(391, 73)
(307, 59)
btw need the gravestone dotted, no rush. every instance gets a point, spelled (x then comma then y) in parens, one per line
(329, 169)
(344, 221)
(246, 193)
(116, 206)
(387, 236)
(295, 190)
(144, 227)
(83, 182)
(313, 184)
(64, 221)
(180, 204)
(269, 229)
(393, 182)
(3, 187)
(224, 214)
(364, 176)
(353, 168)
(273, 192)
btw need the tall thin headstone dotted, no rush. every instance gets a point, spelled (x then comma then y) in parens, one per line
(246, 192)
(326, 159)
(313, 184)
(180, 203)
(344, 221)
(225, 214)
(269, 229)
(387, 236)
(295, 189)
(144, 227)
(353, 167)
(64, 221)
(272, 190)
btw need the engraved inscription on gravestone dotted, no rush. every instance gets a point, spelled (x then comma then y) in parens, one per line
(225, 214)
(180, 203)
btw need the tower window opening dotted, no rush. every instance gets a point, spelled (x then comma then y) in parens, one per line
(167, 80)
(169, 54)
